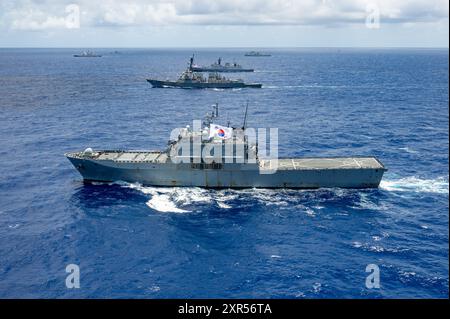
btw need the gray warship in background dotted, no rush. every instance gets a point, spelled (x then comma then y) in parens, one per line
(163, 168)
(87, 54)
(257, 54)
(193, 80)
(219, 67)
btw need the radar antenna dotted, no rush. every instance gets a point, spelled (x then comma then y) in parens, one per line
(209, 117)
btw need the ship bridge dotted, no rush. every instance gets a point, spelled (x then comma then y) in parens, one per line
(213, 143)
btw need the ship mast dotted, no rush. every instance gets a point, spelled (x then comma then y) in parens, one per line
(191, 62)
(209, 117)
(243, 128)
(245, 116)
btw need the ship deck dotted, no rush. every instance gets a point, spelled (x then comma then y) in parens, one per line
(312, 163)
(127, 156)
(138, 156)
(323, 163)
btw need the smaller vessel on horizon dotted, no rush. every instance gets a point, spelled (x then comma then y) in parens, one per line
(257, 53)
(87, 54)
(219, 67)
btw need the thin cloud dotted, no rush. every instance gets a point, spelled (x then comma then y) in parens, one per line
(50, 14)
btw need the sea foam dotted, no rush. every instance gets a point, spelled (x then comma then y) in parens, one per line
(413, 184)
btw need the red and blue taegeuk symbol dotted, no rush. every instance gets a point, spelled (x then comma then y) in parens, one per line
(220, 132)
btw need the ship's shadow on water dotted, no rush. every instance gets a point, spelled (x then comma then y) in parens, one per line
(105, 200)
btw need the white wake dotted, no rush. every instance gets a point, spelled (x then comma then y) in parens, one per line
(182, 199)
(413, 184)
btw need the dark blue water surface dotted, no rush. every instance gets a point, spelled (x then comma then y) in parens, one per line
(136, 241)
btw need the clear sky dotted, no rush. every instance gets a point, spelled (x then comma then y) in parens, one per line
(224, 23)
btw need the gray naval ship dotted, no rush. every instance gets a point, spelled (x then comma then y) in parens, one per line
(257, 54)
(87, 54)
(219, 67)
(244, 168)
(193, 80)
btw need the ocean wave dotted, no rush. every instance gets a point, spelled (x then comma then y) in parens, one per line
(422, 280)
(408, 150)
(223, 205)
(367, 202)
(271, 87)
(413, 184)
(163, 203)
(379, 248)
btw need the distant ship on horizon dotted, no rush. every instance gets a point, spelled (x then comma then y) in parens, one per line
(220, 67)
(87, 54)
(257, 53)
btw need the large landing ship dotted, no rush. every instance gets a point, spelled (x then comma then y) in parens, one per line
(231, 161)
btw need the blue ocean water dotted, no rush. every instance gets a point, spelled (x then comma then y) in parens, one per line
(132, 241)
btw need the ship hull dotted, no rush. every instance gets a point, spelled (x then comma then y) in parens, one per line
(228, 176)
(206, 85)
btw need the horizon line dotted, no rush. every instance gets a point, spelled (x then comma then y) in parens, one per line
(226, 47)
